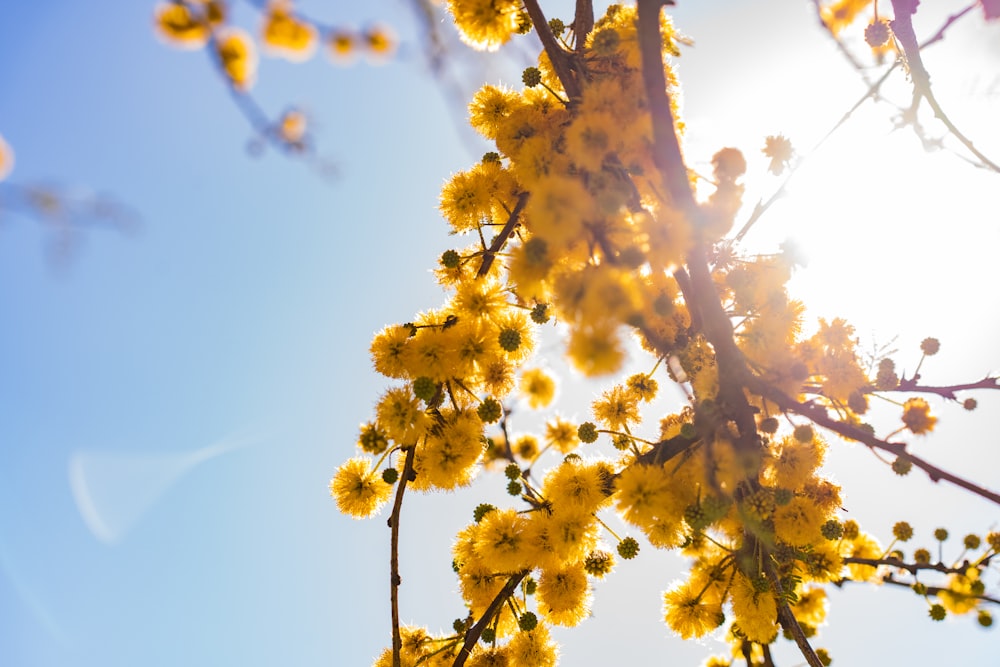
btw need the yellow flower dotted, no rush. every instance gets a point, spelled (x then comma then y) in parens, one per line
(641, 493)
(238, 57)
(779, 149)
(688, 614)
(642, 386)
(841, 13)
(617, 408)
(862, 546)
(917, 416)
(493, 656)
(359, 491)
(538, 386)
(562, 434)
(794, 462)
(578, 486)
(480, 298)
(286, 35)
(6, 158)
(533, 649)
(564, 595)
(959, 597)
(342, 47)
(387, 350)
(399, 414)
(489, 108)
(501, 542)
(799, 522)
(381, 42)
(176, 24)
(485, 24)
(756, 612)
(447, 458)
(811, 606)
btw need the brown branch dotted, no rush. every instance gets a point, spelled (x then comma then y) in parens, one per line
(902, 28)
(872, 92)
(947, 392)
(819, 415)
(913, 568)
(490, 254)
(786, 617)
(666, 148)
(394, 578)
(583, 23)
(557, 54)
(476, 631)
(931, 590)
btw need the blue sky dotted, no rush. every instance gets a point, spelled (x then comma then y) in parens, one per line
(238, 318)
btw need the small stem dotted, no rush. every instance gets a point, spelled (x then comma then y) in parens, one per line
(476, 631)
(394, 578)
(786, 617)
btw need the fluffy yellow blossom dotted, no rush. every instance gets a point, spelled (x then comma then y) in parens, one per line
(538, 386)
(562, 434)
(533, 649)
(400, 416)
(798, 522)
(448, 456)
(959, 597)
(178, 25)
(756, 612)
(577, 486)
(237, 56)
(387, 350)
(342, 47)
(485, 24)
(490, 106)
(642, 493)
(358, 490)
(811, 606)
(617, 408)
(862, 546)
(286, 35)
(501, 541)
(689, 614)
(917, 416)
(564, 595)
(595, 350)
(839, 14)
(381, 43)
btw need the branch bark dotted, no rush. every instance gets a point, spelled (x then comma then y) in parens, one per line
(394, 578)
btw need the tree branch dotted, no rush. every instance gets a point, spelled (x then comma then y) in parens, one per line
(902, 28)
(476, 631)
(557, 55)
(490, 254)
(818, 415)
(786, 617)
(394, 578)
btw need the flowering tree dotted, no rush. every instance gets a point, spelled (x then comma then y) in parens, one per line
(587, 214)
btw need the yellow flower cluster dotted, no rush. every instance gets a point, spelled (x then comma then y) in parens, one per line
(569, 218)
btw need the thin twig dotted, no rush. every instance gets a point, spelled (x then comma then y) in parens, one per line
(557, 55)
(490, 254)
(476, 631)
(902, 28)
(819, 415)
(948, 392)
(394, 578)
(913, 568)
(786, 617)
